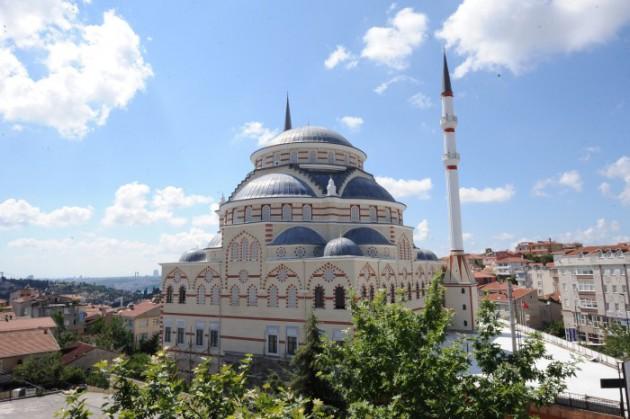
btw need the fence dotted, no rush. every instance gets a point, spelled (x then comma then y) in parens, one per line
(571, 346)
(593, 404)
(9, 395)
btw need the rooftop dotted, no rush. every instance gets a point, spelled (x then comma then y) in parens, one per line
(26, 323)
(140, 309)
(26, 342)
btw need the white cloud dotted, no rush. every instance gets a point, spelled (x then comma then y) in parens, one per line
(401, 188)
(504, 236)
(421, 232)
(256, 131)
(18, 212)
(588, 152)
(570, 179)
(89, 69)
(382, 88)
(352, 122)
(207, 220)
(340, 55)
(421, 101)
(132, 205)
(467, 236)
(605, 189)
(604, 231)
(619, 170)
(487, 195)
(516, 34)
(392, 45)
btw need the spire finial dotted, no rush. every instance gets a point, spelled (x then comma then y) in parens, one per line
(287, 115)
(446, 79)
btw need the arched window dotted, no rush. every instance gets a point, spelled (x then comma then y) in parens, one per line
(234, 300)
(294, 157)
(373, 218)
(287, 212)
(340, 298)
(408, 291)
(244, 249)
(292, 297)
(234, 251)
(388, 215)
(312, 156)
(169, 294)
(272, 298)
(331, 157)
(371, 292)
(253, 251)
(252, 296)
(423, 288)
(319, 299)
(307, 213)
(182, 295)
(392, 294)
(266, 213)
(354, 213)
(201, 295)
(363, 292)
(215, 297)
(417, 291)
(248, 215)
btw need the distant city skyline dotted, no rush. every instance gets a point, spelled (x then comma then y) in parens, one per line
(121, 132)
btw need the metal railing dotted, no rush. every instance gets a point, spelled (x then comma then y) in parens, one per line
(593, 404)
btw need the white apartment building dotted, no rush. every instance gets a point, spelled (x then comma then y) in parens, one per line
(594, 290)
(543, 278)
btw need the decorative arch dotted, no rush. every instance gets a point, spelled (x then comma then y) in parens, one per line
(205, 277)
(388, 275)
(329, 273)
(282, 274)
(404, 248)
(176, 278)
(240, 248)
(367, 275)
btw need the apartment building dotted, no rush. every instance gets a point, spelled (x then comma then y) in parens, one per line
(594, 290)
(543, 278)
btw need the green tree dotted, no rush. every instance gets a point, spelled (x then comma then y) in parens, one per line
(111, 334)
(306, 380)
(150, 346)
(555, 328)
(63, 336)
(617, 341)
(47, 371)
(75, 408)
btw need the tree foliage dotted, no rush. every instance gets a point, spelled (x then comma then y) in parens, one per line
(617, 341)
(150, 346)
(110, 334)
(48, 372)
(63, 336)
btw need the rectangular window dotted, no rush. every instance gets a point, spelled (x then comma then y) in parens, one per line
(292, 340)
(614, 288)
(180, 335)
(167, 334)
(214, 335)
(199, 337)
(272, 340)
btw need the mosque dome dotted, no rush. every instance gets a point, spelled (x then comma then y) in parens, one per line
(310, 135)
(423, 254)
(193, 255)
(273, 185)
(342, 246)
(366, 188)
(365, 235)
(298, 235)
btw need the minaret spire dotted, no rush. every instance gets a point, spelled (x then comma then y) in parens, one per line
(287, 116)
(461, 290)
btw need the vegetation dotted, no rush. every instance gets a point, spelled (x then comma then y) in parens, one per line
(617, 342)
(396, 363)
(110, 334)
(555, 328)
(48, 372)
(63, 336)
(150, 346)
(540, 258)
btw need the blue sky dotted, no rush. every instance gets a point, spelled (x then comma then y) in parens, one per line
(124, 122)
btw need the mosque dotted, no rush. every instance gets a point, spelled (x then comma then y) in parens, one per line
(305, 227)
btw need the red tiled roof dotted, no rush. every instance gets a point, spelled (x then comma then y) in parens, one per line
(483, 274)
(26, 342)
(26, 323)
(77, 352)
(138, 309)
(512, 259)
(517, 293)
(587, 250)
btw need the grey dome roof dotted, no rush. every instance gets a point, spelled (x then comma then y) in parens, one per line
(194, 255)
(310, 135)
(215, 241)
(366, 188)
(273, 184)
(298, 235)
(424, 254)
(342, 246)
(365, 235)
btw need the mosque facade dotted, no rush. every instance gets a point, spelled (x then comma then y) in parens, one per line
(305, 228)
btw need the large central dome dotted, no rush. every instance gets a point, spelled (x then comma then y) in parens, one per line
(310, 135)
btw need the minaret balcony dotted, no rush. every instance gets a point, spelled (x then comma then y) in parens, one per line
(450, 158)
(448, 121)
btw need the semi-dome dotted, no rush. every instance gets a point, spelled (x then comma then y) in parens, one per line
(365, 235)
(424, 254)
(215, 241)
(193, 255)
(342, 246)
(310, 135)
(366, 188)
(298, 235)
(272, 185)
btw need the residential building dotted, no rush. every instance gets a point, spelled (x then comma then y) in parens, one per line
(84, 355)
(142, 319)
(543, 278)
(29, 302)
(512, 265)
(528, 310)
(594, 290)
(545, 247)
(24, 337)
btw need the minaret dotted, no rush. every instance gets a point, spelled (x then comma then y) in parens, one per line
(461, 290)
(287, 116)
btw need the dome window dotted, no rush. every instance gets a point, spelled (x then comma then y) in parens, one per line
(355, 215)
(266, 213)
(373, 218)
(307, 213)
(248, 215)
(287, 212)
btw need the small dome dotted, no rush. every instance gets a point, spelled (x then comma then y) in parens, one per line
(194, 255)
(423, 254)
(271, 185)
(298, 235)
(342, 246)
(215, 241)
(366, 188)
(365, 235)
(310, 135)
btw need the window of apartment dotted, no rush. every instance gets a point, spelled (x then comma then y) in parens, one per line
(292, 340)
(252, 296)
(354, 213)
(182, 295)
(214, 334)
(180, 335)
(266, 213)
(464, 307)
(307, 213)
(340, 298)
(167, 334)
(319, 300)
(292, 297)
(607, 306)
(616, 306)
(272, 340)
(287, 212)
(614, 288)
(199, 334)
(272, 296)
